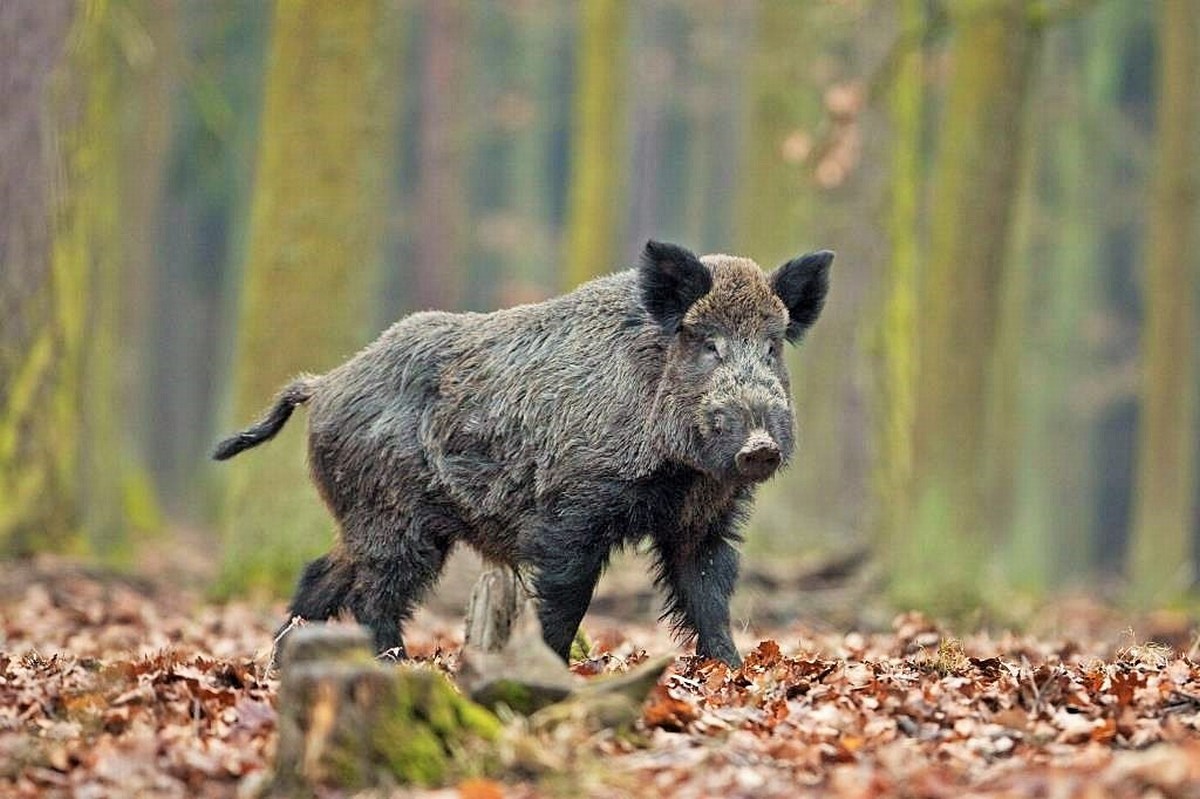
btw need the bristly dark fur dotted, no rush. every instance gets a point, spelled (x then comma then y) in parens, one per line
(642, 405)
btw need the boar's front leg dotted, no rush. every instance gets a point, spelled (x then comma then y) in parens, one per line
(699, 578)
(567, 563)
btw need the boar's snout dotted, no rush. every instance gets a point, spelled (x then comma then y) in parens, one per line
(759, 457)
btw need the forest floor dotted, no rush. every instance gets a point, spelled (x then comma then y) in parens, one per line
(114, 686)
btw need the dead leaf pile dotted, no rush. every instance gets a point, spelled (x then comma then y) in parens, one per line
(115, 688)
(917, 713)
(103, 694)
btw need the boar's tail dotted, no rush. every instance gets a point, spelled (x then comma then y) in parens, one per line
(294, 394)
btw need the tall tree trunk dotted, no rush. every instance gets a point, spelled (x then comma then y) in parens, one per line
(973, 190)
(538, 53)
(898, 329)
(441, 190)
(774, 200)
(774, 221)
(201, 244)
(1161, 560)
(714, 84)
(80, 352)
(1051, 533)
(145, 141)
(315, 231)
(40, 304)
(597, 152)
(650, 108)
(91, 225)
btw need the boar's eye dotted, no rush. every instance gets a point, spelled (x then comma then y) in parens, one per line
(712, 348)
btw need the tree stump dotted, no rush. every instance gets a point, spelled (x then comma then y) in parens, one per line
(347, 721)
(496, 600)
(506, 662)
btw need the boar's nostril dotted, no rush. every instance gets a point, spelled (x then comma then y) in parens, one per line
(758, 459)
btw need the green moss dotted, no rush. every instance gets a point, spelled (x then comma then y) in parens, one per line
(429, 733)
(581, 647)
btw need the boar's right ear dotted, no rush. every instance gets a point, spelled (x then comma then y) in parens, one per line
(802, 284)
(671, 279)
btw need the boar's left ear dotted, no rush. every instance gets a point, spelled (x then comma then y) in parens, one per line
(671, 279)
(802, 284)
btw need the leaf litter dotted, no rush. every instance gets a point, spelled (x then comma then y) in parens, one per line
(115, 688)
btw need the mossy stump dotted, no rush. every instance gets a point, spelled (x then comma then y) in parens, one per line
(347, 721)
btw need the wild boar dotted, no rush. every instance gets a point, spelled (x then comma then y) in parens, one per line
(647, 404)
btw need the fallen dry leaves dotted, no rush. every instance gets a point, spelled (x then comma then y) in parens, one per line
(111, 688)
(103, 695)
(889, 715)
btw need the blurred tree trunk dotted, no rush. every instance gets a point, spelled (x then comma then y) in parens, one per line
(774, 202)
(441, 190)
(40, 295)
(315, 233)
(150, 33)
(714, 84)
(651, 106)
(90, 231)
(897, 341)
(774, 213)
(597, 152)
(201, 245)
(1161, 558)
(974, 185)
(539, 52)
(1051, 537)
(513, 65)
(77, 378)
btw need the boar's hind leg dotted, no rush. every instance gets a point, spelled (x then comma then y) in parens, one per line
(322, 589)
(699, 581)
(389, 584)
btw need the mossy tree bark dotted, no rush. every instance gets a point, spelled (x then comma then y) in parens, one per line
(110, 214)
(1162, 552)
(315, 236)
(974, 184)
(597, 146)
(39, 295)
(347, 722)
(89, 230)
(76, 480)
(897, 342)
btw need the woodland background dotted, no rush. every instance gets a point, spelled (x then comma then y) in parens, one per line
(200, 199)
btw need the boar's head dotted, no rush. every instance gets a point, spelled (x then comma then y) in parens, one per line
(724, 400)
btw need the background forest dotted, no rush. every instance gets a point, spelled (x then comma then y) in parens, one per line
(199, 200)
